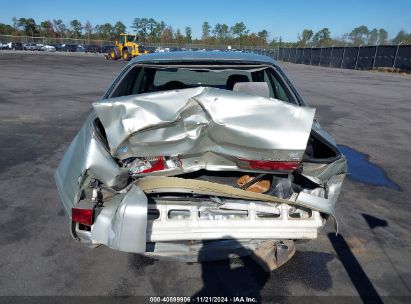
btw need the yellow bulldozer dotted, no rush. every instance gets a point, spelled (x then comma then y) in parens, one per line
(126, 47)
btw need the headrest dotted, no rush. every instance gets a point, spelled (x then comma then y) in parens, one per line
(233, 79)
(252, 88)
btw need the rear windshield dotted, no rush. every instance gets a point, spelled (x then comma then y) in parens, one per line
(196, 77)
(148, 79)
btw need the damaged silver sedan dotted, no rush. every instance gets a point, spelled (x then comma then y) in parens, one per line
(197, 156)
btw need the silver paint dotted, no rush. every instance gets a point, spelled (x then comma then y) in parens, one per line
(200, 120)
(122, 223)
(206, 127)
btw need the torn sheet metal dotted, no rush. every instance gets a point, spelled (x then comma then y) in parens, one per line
(326, 204)
(200, 120)
(321, 173)
(86, 158)
(122, 224)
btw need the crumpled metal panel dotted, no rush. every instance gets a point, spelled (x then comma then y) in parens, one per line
(122, 224)
(197, 123)
(199, 120)
(320, 173)
(86, 157)
(326, 205)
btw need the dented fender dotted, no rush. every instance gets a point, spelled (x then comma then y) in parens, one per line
(122, 224)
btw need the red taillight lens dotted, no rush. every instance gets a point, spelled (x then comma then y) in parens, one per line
(151, 164)
(82, 216)
(268, 165)
(157, 164)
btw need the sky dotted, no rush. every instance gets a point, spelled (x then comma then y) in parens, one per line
(279, 17)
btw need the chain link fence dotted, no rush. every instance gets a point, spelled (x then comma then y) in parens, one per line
(104, 45)
(362, 57)
(59, 43)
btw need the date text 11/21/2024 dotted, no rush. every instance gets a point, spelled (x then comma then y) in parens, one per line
(203, 299)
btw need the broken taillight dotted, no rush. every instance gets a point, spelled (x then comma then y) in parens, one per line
(151, 164)
(82, 215)
(268, 164)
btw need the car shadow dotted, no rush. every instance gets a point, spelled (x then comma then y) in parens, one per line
(231, 275)
(244, 277)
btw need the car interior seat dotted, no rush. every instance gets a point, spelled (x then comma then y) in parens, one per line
(252, 88)
(233, 79)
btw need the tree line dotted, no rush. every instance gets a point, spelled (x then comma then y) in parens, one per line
(150, 30)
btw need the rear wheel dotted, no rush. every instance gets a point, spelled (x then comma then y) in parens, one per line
(126, 55)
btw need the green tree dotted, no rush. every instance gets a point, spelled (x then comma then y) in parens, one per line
(188, 33)
(217, 31)
(88, 29)
(105, 31)
(224, 31)
(59, 27)
(359, 35)
(15, 23)
(46, 28)
(322, 38)
(158, 30)
(76, 28)
(305, 38)
(119, 28)
(221, 32)
(382, 36)
(6, 29)
(402, 36)
(263, 37)
(206, 28)
(373, 37)
(152, 29)
(142, 26)
(179, 37)
(167, 35)
(28, 25)
(239, 29)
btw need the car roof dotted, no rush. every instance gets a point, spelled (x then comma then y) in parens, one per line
(201, 56)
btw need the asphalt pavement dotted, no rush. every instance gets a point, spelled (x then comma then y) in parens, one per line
(43, 102)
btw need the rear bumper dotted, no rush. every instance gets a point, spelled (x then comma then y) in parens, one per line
(123, 224)
(251, 226)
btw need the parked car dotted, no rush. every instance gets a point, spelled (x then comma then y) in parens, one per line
(92, 48)
(69, 47)
(193, 156)
(80, 48)
(16, 46)
(3, 46)
(150, 49)
(57, 46)
(11, 46)
(48, 48)
(32, 47)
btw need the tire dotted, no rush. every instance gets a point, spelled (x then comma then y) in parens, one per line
(112, 54)
(126, 55)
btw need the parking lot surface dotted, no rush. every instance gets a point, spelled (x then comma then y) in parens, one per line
(44, 101)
